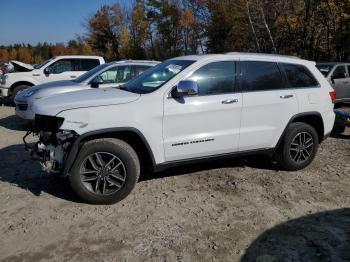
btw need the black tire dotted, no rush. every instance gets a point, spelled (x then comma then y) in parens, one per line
(15, 91)
(291, 157)
(117, 148)
(338, 129)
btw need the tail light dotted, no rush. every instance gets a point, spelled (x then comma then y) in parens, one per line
(333, 96)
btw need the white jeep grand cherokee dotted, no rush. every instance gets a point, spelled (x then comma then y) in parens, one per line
(185, 109)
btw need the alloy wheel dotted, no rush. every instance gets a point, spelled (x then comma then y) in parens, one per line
(102, 173)
(301, 148)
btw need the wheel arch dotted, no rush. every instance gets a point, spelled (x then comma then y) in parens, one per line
(130, 135)
(20, 83)
(312, 118)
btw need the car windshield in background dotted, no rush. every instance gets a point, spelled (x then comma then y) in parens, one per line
(325, 68)
(90, 73)
(156, 77)
(43, 63)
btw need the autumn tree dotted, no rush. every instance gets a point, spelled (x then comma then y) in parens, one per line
(102, 34)
(4, 55)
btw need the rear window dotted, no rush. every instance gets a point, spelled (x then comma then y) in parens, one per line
(259, 76)
(88, 64)
(299, 76)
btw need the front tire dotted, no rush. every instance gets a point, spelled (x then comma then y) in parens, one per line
(16, 90)
(298, 148)
(105, 171)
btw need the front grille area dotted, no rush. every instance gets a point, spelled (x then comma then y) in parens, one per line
(22, 107)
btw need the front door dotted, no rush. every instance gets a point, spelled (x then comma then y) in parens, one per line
(62, 69)
(208, 123)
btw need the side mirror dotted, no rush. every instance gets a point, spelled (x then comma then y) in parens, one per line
(96, 82)
(47, 71)
(187, 88)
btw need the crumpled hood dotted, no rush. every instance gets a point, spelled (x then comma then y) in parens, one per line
(93, 97)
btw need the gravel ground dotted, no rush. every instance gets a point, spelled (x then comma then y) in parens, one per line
(238, 209)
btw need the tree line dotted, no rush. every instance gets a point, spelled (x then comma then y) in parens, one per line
(159, 29)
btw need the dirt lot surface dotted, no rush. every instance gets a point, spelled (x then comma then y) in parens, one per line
(232, 210)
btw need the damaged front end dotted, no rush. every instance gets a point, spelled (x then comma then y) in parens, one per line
(53, 144)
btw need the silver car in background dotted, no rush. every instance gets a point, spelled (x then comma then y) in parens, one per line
(338, 75)
(104, 76)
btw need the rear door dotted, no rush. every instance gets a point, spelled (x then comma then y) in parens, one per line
(268, 104)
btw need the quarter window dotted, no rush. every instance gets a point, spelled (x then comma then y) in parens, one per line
(215, 78)
(259, 76)
(299, 76)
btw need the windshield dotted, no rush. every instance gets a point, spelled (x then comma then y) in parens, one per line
(325, 68)
(90, 73)
(43, 63)
(156, 77)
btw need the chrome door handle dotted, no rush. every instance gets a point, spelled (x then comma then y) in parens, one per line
(229, 101)
(73, 76)
(286, 96)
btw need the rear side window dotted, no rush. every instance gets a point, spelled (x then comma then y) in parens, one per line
(215, 78)
(88, 64)
(260, 76)
(299, 76)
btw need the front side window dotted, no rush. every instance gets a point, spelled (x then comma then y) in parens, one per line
(260, 76)
(118, 74)
(90, 73)
(61, 66)
(215, 78)
(156, 77)
(339, 72)
(299, 76)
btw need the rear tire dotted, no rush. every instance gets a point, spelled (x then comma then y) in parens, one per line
(298, 147)
(105, 171)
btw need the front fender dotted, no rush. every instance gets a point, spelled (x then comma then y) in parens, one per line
(76, 146)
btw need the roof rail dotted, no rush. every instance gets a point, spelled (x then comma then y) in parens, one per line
(260, 54)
